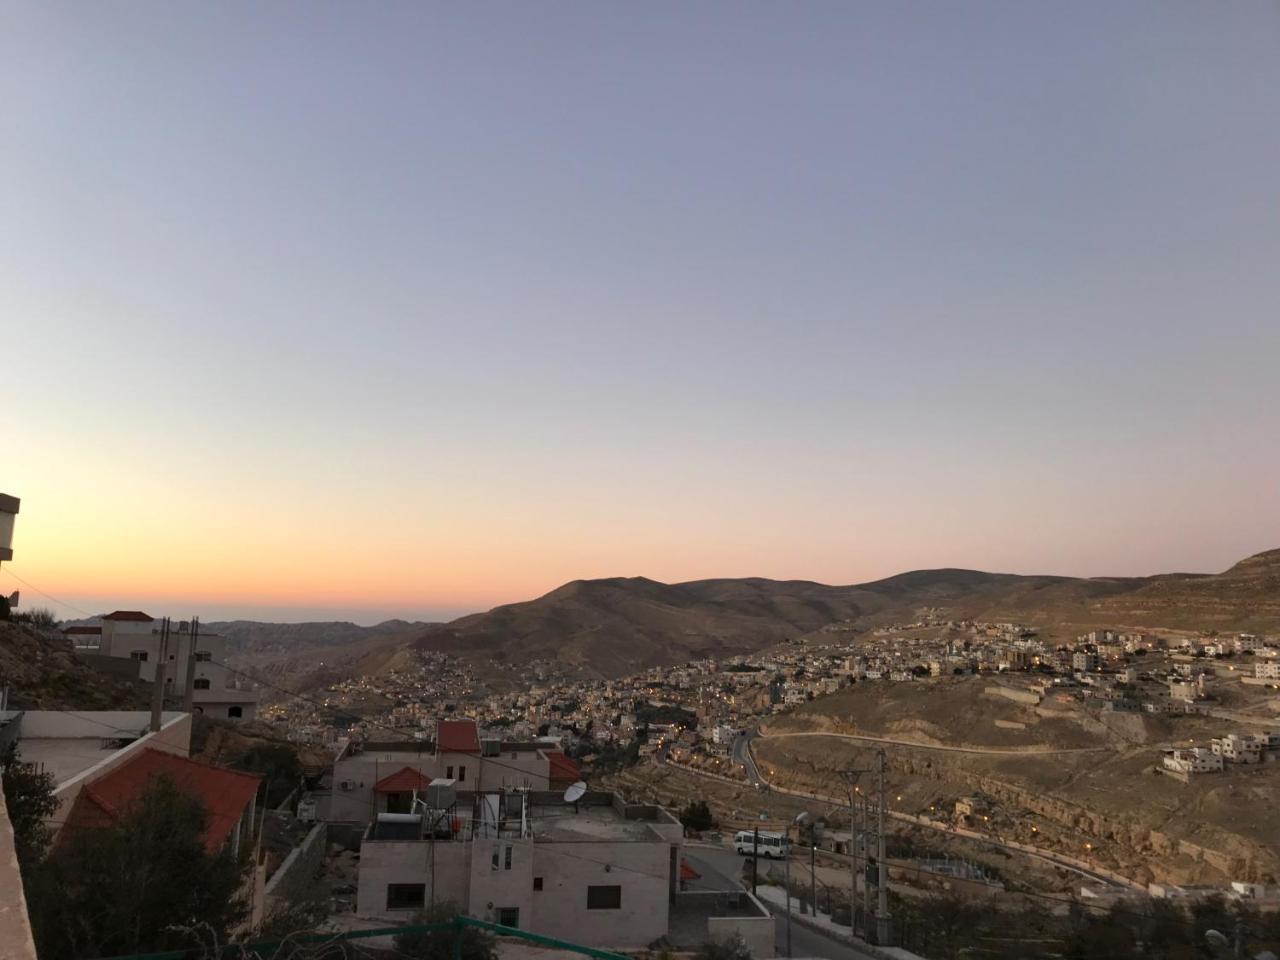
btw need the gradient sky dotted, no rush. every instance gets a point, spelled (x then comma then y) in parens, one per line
(368, 309)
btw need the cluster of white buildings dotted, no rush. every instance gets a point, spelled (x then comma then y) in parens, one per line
(1238, 748)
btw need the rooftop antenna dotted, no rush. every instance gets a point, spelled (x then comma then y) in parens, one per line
(574, 793)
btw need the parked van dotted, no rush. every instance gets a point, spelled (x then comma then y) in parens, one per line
(772, 845)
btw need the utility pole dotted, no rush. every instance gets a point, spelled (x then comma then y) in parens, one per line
(157, 693)
(866, 869)
(189, 687)
(813, 871)
(850, 778)
(884, 923)
(755, 859)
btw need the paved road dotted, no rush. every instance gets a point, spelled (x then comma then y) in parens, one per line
(742, 755)
(987, 751)
(720, 868)
(1047, 856)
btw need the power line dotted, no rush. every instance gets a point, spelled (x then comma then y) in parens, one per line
(47, 596)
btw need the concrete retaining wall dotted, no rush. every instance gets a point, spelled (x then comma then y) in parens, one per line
(297, 873)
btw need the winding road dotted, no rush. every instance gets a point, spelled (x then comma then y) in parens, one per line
(742, 754)
(985, 751)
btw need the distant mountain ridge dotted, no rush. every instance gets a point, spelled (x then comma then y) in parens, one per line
(254, 636)
(613, 626)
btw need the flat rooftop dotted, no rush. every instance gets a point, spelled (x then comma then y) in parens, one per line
(66, 743)
(591, 822)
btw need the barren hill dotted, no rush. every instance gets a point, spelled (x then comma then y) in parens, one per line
(44, 674)
(613, 626)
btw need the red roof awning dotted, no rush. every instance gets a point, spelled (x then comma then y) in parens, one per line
(225, 793)
(562, 769)
(687, 872)
(135, 615)
(404, 780)
(457, 736)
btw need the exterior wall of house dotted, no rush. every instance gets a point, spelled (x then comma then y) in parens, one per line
(642, 870)
(496, 887)
(384, 862)
(15, 930)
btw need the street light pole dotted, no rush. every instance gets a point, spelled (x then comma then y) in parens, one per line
(884, 924)
(850, 778)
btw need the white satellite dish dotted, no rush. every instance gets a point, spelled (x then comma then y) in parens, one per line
(575, 792)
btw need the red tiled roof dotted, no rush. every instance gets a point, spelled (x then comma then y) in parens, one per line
(136, 615)
(562, 769)
(687, 872)
(88, 630)
(457, 736)
(404, 780)
(225, 793)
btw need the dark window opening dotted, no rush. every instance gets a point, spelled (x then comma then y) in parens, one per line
(139, 655)
(448, 773)
(235, 712)
(506, 860)
(509, 916)
(406, 896)
(203, 656)
(462, 774)
(604, 898)
(201, 683)
(537, 883)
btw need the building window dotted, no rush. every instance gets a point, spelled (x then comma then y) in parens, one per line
(509, 916)
(406, 896)
(448, 773)
(235, 713)
(537, 883)
(203, 656)
(139, 655)
(200, 683)
(506, 859)
(462, 774)
(604, 898)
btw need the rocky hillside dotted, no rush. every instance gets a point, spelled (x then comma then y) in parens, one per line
(42, 673)
(614, 626)
(1246, 597)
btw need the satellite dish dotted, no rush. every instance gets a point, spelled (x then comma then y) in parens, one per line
(575, 792)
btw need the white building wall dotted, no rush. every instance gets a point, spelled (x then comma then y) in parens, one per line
(568, 869)
(383, 863)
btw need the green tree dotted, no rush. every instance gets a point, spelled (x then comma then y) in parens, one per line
(279, 766)
(697, 816)
(439, 944)
(129, 886)
(28, 794)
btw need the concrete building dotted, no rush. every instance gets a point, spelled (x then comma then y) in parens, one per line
(599, 872)
(1195, 760)
(367, 776)
(1083, 661)
(1267, 671)
(1239, 748)
(79, 747)
(101, 761)
(128, 644)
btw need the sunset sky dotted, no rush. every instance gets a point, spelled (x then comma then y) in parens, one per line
(317, 311)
